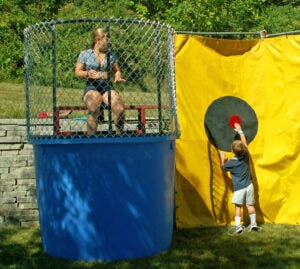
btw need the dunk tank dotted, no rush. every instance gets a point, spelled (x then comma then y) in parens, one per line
(106, 195)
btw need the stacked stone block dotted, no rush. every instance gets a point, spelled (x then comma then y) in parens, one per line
(18, 201)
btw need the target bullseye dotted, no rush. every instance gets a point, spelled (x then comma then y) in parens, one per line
(220, 117)
(234, 119)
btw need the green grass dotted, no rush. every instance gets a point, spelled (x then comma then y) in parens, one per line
(12, 100)
(275, 246)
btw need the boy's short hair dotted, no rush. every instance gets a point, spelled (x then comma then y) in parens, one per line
(238, 148)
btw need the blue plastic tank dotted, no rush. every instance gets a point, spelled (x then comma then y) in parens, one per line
(105, 199)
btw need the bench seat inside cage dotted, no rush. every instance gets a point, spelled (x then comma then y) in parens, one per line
(141, 120)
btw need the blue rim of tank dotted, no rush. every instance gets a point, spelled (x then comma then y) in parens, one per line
(126, 140)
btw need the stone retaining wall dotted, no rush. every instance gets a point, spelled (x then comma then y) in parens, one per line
(18, 203)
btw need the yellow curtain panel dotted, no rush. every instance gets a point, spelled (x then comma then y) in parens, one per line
(259, 81)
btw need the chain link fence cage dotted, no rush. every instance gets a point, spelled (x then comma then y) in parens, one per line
(54, 95)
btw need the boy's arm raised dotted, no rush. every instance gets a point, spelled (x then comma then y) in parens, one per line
(239, 130)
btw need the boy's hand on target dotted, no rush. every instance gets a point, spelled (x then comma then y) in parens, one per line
(223, 157)
(237, 126)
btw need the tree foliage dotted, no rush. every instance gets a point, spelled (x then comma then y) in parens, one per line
(183, 15)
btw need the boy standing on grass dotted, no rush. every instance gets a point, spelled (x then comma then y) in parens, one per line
(241, 178)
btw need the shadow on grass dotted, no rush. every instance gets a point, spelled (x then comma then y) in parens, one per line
(276, 246)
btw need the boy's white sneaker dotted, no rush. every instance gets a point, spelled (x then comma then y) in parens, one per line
(254, 227)
(239, 229)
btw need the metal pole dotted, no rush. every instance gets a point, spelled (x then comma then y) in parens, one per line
(284, 33)
(172, 91)
(158, 80)
(217, 33)
(26, 74)
(53, 28)
(109, 78)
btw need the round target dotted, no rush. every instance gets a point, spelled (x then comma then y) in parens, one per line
(221, 116)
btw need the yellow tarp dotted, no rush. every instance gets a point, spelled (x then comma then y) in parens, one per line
(264, 73)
